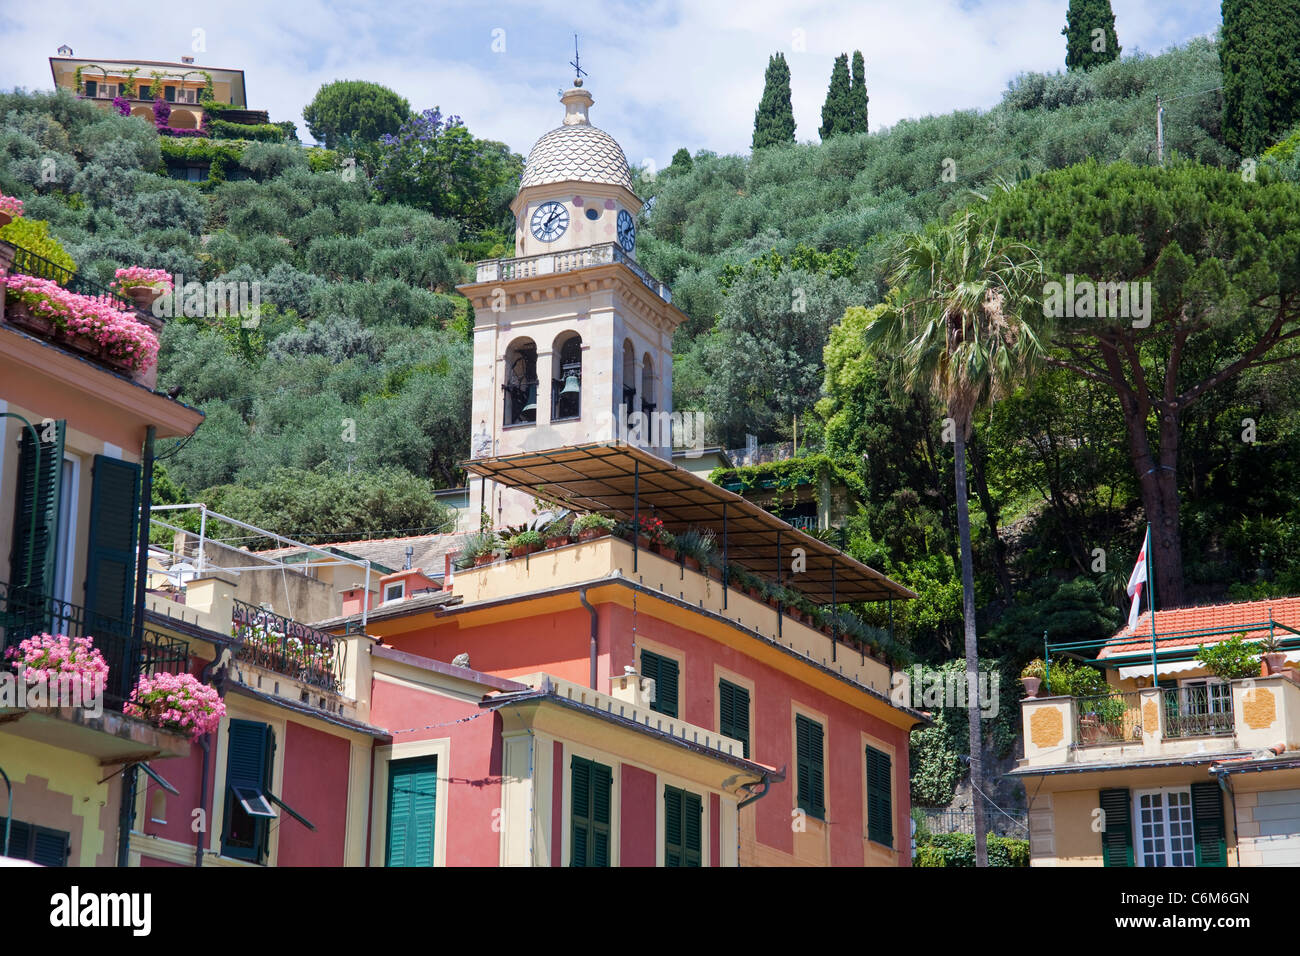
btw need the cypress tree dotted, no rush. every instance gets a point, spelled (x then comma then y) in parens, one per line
(837, 112)
(1083, 50)
(774, 119)
(1260, 53)
(858, 93)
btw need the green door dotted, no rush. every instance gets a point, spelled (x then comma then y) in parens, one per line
(412, 793)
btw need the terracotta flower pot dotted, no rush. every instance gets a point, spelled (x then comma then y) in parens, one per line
(755, 593)
(1273, 663)
(6, 257)
(591, 534)
(521, 550)
(664, 551)
(643, 542)
(144, 296)
(715, 573)
(18, 313)
(482, 560)
(690, 562)
(557, 542)
(1031, 685)
(5, 219)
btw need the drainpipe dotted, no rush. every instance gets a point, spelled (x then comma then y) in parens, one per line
(126, 817)
(1225, 783)
(582, 596)
(203, 799)
(767, 780)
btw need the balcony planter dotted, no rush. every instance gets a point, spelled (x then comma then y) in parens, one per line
(7, 253)
(1031, 685)
(715, 573)
(643, 542)
(522, 550)
(144, 296)
(591, 534)
(5, 219)
(558, 541)
(1273, 663)
(755, 594)
(690, 562)
(665, 551)
(18, 313)
(482, 560)
(1090, 728)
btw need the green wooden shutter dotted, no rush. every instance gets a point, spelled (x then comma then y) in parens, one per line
(811, 770)
(590, 794)
(249, 756)
(683, 827)
(1207, 824)
(31, 560)
(880, 797)
(42, 845)
(110, 551)
(664, 672)
(672, 826)
(1117, 837)
(412, 806)
(733, 712)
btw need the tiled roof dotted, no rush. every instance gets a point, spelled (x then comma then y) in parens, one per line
(577, 153)
(1285, 610)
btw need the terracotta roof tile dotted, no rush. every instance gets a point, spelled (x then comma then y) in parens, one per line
(1285, 610)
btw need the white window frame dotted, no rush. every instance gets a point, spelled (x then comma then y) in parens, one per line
(1139, 848)
(401, 591)
(1218, 693)
(66, 546)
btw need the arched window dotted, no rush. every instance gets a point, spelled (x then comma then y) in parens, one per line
(648, 385)
(629, 374)
(566, 390)
(520, 385)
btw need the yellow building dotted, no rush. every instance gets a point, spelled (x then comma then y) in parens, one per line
(185, 85)
(1171, 766)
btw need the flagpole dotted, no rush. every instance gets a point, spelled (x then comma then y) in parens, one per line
(1151, 604)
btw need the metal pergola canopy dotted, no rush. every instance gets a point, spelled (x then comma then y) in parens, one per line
(622, 481)
(1136, 648)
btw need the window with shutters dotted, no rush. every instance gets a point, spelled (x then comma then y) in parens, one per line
(591, 787)
(733, 712)
(810, 766)
(250, 755)
(412, 811)
(1116, 827)
(683, 827)
(33, 556)
(880, 797)
(42, 845)
(1165, 835)
(664, 672)
(110, 547)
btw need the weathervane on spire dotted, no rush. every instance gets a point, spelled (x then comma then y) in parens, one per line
(576, 63)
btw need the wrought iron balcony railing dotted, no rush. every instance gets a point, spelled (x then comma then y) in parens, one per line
(29, 263)
(1198, 710)
(25, 613)
(1113, 718)
(288, 647)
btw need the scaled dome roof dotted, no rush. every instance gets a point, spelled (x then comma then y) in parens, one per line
(577, 151)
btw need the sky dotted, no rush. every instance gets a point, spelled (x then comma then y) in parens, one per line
(664, 73)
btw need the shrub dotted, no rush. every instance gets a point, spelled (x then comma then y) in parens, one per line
(1230, 659)
(589, 522)
(34, 236)
(524, 538)
(958, 849)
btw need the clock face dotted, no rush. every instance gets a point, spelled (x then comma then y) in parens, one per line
(626, 230)
(549, 221)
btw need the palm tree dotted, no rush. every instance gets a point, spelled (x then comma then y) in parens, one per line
(954, 326)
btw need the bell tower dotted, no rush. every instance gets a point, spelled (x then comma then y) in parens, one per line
(572, 338)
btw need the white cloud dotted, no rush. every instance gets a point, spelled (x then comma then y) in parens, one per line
(664, 74)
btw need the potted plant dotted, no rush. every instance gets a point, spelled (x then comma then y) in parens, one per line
(1031, 677)
(649, 531)
(143, 285)
(666, 545)
(180, 703)
(11, 207)
(481, 548)
(559, 532)
(1270, 651)
(592, 526)
(53, 658)
(695, 547)
(525, 542)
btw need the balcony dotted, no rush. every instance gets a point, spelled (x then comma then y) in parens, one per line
(286, 647)
(105, 733)
(551, 263)
(1159, 723)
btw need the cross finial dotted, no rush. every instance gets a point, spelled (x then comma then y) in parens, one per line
(576, 63)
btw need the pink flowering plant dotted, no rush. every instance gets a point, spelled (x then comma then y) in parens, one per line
(99, 318)
(132, 276)
(50, 658)
(11, 205)
(176, 702)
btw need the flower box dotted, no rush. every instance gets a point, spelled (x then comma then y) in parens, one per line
(19, 314)
(715, 573)
(5, 219)
(664, 551)
(558, 541)
(691, 563)
(521, 550)
(591, 534)
(482, 560)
